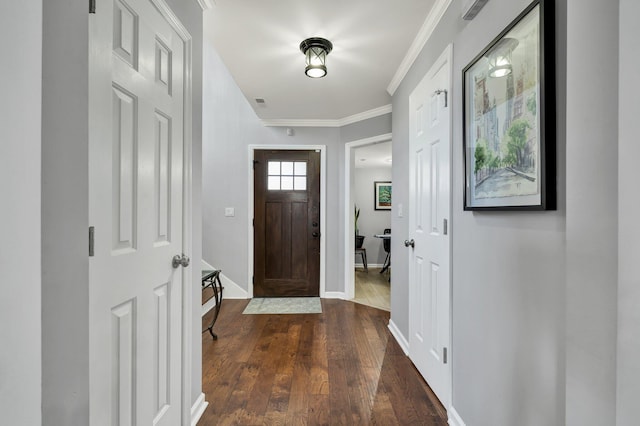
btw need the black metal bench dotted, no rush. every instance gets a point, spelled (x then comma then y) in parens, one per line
(211, 278)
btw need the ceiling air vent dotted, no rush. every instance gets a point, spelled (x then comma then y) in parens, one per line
(471, 8)
(259, 101)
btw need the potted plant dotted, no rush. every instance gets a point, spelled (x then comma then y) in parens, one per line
(359, 238)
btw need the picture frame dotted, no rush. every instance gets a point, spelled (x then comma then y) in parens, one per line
(509, 117)
(382, 195)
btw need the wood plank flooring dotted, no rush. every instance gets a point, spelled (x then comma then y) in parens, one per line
(341, 367)
(373, 288)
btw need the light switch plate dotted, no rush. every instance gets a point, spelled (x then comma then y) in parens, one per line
(229, 211)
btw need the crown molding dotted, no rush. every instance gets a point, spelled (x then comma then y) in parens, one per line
(430, 23)
(206, 4)
(376, 112)
(299, 123)
(372, 113)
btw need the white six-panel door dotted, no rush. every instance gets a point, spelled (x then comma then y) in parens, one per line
(136, 206)
(430, 187)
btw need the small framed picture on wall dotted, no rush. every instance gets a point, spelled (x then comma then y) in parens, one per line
(382, 195)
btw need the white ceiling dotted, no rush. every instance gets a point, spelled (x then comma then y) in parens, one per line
(258, 40)
(371, 156)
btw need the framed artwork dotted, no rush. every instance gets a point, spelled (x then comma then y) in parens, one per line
(382, 195)
(509, 117)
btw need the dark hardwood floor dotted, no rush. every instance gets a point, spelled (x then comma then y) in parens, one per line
(341, 367)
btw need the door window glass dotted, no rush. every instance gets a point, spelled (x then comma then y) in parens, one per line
(287, 176)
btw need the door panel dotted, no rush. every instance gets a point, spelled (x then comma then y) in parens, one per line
(429, 278)
(123, 380)
(286, 223)
(136, 111)
(124, 169)
(299, 238)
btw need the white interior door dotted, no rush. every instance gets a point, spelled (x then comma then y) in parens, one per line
(430, 187)
(136, 206)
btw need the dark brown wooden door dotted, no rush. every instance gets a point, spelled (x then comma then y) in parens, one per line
(287, 223)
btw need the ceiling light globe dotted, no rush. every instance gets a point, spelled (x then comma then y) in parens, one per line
(315, 71)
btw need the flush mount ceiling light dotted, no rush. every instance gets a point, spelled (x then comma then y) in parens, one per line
(316, 50)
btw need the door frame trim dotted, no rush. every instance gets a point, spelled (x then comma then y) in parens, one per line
(349, 226)
(323, 208)
(445, 56)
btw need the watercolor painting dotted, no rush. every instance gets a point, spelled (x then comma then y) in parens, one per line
(504, 156)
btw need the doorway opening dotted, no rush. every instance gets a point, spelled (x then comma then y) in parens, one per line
(359, 193)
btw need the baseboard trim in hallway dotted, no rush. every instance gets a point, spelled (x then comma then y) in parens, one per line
(454, 417)
(397, 334)
(334, 295)
(198, 409)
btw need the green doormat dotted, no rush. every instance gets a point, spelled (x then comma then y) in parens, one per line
(284, 305)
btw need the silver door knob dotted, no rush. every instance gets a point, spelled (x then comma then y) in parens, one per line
(180, 260)
(409, 243)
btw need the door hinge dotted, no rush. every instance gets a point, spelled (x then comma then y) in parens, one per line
(445, 227)
(92, 230)
(92, 6)
(439, 92)
(444, 355)
(254, 164)
(253, 280)
(253, 222)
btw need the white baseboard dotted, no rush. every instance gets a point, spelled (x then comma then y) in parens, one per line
(402, 341)
(197, 409)
(231, 289)
(335, 295)
(454, 417)
(209, 305)
(370, 265)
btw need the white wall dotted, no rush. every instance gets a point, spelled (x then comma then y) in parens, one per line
(371, 221)
(508, 268)
(592, 200)
(628, 386)
(21, 88)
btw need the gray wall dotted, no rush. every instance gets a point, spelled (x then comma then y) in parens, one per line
(370, 127)
(65, 205)
(628, 386)
(230, 126)
(65, 325)
(508, 268)
(21, 85)
(592, 226)
(371, 221)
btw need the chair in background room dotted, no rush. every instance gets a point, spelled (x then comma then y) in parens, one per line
(363, 252)
(386, 245)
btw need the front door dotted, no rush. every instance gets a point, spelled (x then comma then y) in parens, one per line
(429, 277)
(286, 223)
(136, 112)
